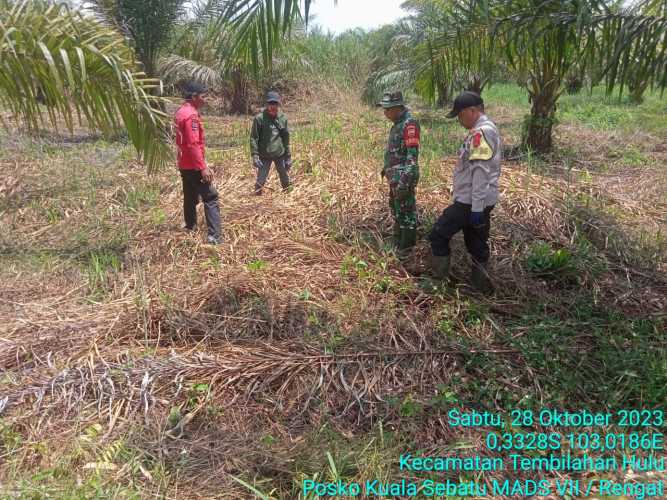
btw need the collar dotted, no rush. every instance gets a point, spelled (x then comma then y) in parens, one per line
(191, 104)
(402, 116)
(266, 113)
(480, 120)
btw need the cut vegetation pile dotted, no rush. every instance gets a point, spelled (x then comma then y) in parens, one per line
(136, 359)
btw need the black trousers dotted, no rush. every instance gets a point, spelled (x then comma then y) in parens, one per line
(455, 218)
(193, 190)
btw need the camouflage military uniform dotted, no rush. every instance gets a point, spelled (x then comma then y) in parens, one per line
(401, 169)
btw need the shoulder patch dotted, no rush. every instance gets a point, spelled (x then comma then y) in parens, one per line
(480, 148)
(411, 135)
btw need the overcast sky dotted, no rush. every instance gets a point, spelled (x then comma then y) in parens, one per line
(355, 13)
(347, 14)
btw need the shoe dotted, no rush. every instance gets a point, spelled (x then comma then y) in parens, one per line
(257, 192)
(211, 240)
(479, 277)
(440, 267)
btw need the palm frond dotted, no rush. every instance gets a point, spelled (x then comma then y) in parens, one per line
(259, 27)
(176, 68)
(147, 24)
(387, 80)
(78, 69)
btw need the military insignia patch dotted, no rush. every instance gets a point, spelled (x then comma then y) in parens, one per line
(195, 125)
(411, 135)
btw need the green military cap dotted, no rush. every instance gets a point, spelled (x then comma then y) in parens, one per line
(392, 100)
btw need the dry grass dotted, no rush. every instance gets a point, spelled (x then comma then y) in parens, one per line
(303, 318)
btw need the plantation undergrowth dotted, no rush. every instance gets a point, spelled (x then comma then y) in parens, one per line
(136, 361)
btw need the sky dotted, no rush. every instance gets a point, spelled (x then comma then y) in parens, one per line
(355, 13)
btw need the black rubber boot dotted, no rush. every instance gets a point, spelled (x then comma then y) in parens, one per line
(440, 267)
(479, 277)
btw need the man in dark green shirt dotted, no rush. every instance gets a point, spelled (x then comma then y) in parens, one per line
(269, 143)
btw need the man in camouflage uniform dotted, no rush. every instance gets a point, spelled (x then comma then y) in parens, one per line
(475, 192)
(401, 169)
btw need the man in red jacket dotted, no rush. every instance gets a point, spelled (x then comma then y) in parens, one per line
(197, 177)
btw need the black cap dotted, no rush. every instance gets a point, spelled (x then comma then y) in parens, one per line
(273, 97)
(465, 100)
(193, 88)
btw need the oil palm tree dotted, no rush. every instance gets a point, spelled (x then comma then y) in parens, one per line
(61, 67)
(636, 59)
(443, 46)
(548, 40)
(147, 24)
(233, 42)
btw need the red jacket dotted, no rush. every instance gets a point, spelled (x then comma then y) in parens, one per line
(189, 138)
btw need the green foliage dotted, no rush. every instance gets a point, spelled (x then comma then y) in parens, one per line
(141, 196)
(543, 260)
(410, 408)
(53, 215)
(548, 49)
(10, 440)
(343, 59)
(576, 264)
(595, 355)
(60, 64)
(256, 265)
(445, 398)
(148, 24)
(101, 266)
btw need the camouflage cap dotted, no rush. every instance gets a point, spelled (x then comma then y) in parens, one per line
(392, 100)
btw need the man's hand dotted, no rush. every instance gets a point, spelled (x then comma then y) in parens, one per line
(256, 162)
(477, 219)
(207, 175)
(382, 173)
(288, 162)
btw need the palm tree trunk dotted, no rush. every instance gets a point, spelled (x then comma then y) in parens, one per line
(240, 98)
(637, 89)
(475, 84)
(443, 94)
(539, 125)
